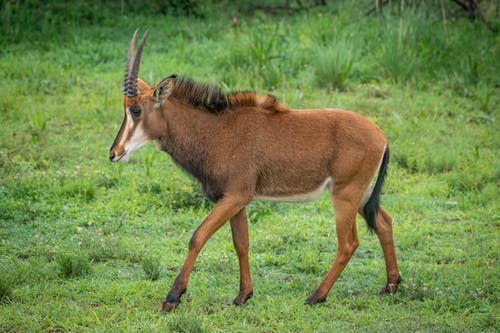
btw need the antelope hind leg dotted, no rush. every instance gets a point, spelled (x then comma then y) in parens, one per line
(345, 222)
(385, 236)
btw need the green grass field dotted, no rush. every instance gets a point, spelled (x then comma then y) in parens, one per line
(91, 246)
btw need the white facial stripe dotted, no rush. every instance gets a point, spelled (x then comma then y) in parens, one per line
(138, 140)
(130, 121)
(128, 125)
(131, 139)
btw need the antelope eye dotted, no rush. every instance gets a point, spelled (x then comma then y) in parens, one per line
(135, 111)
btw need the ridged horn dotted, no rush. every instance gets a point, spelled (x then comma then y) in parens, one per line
(132, 67)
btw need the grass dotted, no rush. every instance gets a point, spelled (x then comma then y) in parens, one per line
(86, 245)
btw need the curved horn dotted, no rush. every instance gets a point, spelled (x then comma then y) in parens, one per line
(132, 68)
(127, 89)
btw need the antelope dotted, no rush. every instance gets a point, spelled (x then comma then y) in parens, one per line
(243, 147)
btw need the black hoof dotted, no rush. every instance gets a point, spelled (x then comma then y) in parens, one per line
(169, 306)
(240, 300)
(314, 299)
(172, 301)
(390, 288)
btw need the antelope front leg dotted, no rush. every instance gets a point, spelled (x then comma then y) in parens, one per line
(223, 211)
(239, 229)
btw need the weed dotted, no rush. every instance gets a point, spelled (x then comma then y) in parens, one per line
(6, 286)
(151, 267)
(39, 125)
(334, 65)
(484, 94)
(186, 196)
(186, 324)
(22, 272)
(73, 265)
(258, 211)
(84, 190)
(263, 47)
(399, 58)
(148, 163)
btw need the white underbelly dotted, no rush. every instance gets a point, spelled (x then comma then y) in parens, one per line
(299, 197)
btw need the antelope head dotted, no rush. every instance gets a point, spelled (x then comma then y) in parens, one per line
(140, 108)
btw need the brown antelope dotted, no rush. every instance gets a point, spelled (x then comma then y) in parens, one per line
(243, 147)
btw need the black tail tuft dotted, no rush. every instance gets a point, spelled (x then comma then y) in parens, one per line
(372, 206)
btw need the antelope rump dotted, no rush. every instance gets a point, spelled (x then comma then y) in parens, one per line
(243, 147)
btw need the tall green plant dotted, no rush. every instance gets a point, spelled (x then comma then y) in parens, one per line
(398, 58)
(334, 63)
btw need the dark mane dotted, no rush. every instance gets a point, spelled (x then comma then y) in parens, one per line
(199, 95)
(212, 99)
(268, 102)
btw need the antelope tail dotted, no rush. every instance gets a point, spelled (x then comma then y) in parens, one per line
(372, 206)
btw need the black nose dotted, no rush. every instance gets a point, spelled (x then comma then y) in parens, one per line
(112, 156)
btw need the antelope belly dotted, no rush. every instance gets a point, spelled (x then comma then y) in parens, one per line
(298, 197)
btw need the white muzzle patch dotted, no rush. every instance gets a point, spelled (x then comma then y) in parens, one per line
(132, 142)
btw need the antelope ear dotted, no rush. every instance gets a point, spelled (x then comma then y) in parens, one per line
(164, 88)
(142, 86)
